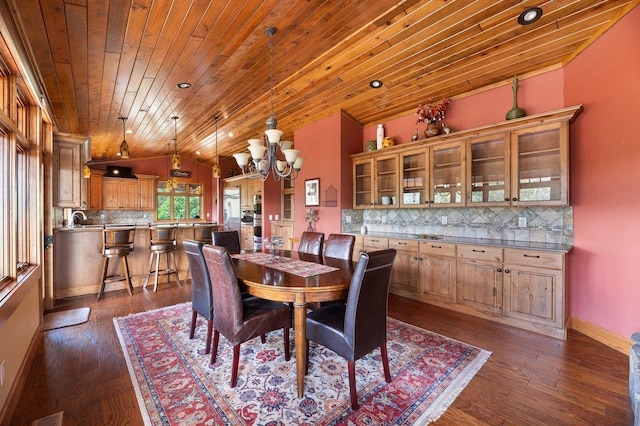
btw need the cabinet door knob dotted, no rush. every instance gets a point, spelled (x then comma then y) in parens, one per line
(514, 199)
(499, 270)
(506, 271)
(506, 199)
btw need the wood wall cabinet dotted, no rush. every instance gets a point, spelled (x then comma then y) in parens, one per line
(119, 194)
(288, 200)
(248, 188)
(246, 237)
(375, 178)
(94, 188)
(518, 162)
(70, 153)
(146, 192)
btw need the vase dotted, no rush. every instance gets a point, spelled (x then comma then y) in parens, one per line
(310, 228)
(516, 111)
(431, 130)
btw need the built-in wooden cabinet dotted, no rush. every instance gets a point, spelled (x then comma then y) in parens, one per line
(518, 162)
(288, 200)
(246, 237)
(521, 287)
(146, 192)
(119, 194)
(94, 188)
(284, 230)
(438, 271)
(534, 287)
(70, 153)
(479, 278)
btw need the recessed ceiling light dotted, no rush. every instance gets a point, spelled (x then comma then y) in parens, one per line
(197, 152)
(530, 16)
(184, 85)
(375, 84)
(230, 134)
(129, 131)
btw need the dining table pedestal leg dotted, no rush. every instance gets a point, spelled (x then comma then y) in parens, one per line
(300, 324)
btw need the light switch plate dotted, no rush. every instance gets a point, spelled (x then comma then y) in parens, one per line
(522, 222)
(444, 220)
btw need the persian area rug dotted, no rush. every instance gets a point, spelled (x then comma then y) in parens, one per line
(175, 384)
(65, 318)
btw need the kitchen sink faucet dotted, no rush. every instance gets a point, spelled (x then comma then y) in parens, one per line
(73, 216)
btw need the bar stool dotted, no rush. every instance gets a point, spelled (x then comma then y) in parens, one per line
(117, 242)
(202, 233)
(162, 240)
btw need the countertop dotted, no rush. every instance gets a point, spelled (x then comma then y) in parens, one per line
(84, 228)
(526, 245)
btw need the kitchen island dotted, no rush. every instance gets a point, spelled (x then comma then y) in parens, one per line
(78, 260)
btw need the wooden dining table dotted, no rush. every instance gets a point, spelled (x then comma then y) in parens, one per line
(268, 282)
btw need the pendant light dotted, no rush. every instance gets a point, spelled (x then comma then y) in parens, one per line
(216, 167)
(171, 181)
(124, 147)
(175, 160)
(265, 154)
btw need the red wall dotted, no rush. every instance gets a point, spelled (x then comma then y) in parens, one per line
(605, 169)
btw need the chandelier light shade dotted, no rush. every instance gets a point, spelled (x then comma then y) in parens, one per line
(175, 160)
(217, 173)
(171, 181)
(269, 155)
(124, 147)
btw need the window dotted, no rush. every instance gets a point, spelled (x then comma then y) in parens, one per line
(184, 202)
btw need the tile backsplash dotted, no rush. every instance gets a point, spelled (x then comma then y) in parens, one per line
(530, 224)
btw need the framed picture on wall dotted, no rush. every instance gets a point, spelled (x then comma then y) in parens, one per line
(312, 192)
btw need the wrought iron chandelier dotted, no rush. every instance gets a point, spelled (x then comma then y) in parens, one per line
(267, 155)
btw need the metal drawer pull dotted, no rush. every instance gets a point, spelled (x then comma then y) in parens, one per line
(478, 251)
(529, 255)
(439, 247)
(402, 244)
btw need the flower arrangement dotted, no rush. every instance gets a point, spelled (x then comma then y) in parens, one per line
(432, 112)
(311, 216)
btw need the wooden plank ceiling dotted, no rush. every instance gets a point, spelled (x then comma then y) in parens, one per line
(99, 60)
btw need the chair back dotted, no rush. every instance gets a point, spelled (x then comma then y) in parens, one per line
(201, 291)
(311, 243)
(340, 246)
(118, 240)
(202, 231)
(162, 233)
(227, 298)
(365, 322)
(228, 239)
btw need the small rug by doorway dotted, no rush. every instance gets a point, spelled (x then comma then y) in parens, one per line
(175, 384)
(65, 318)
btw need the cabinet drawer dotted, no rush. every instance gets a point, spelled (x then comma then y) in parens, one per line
(404, 245)
(543, 259)
(374, 242)
(491, 254)
(438, 249)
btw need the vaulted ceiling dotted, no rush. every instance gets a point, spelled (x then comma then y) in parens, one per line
(100, 60)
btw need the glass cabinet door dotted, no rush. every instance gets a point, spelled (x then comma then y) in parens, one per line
(540, 164)
(447, 175)
(363, 190)
(488, 171)
(386, 182)
(414, 169)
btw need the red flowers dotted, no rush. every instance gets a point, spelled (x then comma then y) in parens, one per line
(432, 112)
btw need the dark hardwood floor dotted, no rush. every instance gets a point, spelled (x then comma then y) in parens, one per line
(528, 380)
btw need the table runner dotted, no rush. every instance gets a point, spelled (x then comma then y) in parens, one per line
(286, 264)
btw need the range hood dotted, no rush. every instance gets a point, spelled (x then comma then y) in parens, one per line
(120, 172)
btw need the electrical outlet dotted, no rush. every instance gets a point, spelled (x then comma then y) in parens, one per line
(347, 219)
(277, 217)
(522, 222)
(384, 219)
(444, 220)
(270, 217)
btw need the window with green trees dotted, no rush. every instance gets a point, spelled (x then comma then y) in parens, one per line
(182, 202)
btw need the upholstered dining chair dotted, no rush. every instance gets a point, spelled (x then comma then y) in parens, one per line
(355, 328)
(201, 291)
(228, 239)
(202, 232)
(311, 243)
(339, 246)
(238, 319)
